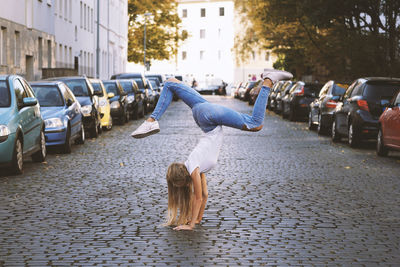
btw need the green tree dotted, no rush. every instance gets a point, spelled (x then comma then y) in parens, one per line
(339, 39)
(163, 32)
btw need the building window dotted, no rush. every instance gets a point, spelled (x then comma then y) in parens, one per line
(71, 63)
(17, 49)
(267, 55)
(60, 6)
(81, 15)
(183, 55)
(202, 34)
(65, 9)
(202, 12)
(222, 11)
(201, 55)
(40, 53)
(84, 16)
(49, 53)
(184, 13)
(3, 44)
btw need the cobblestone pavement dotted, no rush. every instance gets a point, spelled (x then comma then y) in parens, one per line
(282, 196)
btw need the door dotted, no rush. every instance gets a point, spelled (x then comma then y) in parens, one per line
(29, 68)
(73, 111)
(392, 127)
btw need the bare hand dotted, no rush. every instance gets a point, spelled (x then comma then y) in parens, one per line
(183, 227)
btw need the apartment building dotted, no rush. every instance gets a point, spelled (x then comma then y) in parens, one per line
(62, 34)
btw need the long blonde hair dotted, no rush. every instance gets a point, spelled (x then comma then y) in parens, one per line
(180, 194)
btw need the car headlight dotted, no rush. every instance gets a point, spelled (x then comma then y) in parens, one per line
(130, 99)
(115, 104)
(4, 133)
(86, 110)
(53, 123)
(103, 103)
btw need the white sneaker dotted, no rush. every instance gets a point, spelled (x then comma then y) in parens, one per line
(276, 75)
(147, 128)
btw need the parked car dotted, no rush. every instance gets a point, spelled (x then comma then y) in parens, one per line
(156, 87)
(159, 77)
(296, 103)
(21, 125)
(236, 90)
(152, 96)
(61, 113)
(88, 98)
(211, 89)
(135, 98)
(322, 108)
(254, 94)
(284, 90)
(357, 114)
(389, 128)
(118, 101)
(250, 85)
(104, 105)
(272, 96)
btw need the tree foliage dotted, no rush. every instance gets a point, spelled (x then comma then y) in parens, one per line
(335, 39)
(163, 33)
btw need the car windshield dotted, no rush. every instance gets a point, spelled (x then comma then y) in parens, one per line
(97, 88)
(156, 81)
(139, 83)
(48, 95)
(5, 100)
(111, 87)
(378, 91)
(127, 85)
(78, 87)
(338, 90)
(154, 84)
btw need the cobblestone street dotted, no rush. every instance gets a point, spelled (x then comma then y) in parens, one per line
(282, 196)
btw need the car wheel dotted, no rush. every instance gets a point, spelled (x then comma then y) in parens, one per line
(311, 125)
(94, 132)
(122, 119)
(381, 149)
(127, 116)
(17, 163)
(354, 138)
(40, 156)
(283, 111)
(335, 135)
(81, 138)
(100, 129)
(320, 128)
(68, 142)
(292, 117)
(135, 112)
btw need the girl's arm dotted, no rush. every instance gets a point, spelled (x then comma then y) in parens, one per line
(198, 199)
(205, 196)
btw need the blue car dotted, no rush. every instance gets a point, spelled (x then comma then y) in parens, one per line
(21, 125)
(61, 113)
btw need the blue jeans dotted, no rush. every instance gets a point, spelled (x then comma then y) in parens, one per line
(208, 115)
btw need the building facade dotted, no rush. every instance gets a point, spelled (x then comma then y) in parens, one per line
(62, 34)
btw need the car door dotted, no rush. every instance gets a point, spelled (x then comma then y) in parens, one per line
(29, 117)
(316, 106)
(392, 127)
(343, 109)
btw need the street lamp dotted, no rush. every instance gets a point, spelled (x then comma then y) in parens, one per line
(144, 40)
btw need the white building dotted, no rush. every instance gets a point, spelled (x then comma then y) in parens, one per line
(208, 54)
(37, 34)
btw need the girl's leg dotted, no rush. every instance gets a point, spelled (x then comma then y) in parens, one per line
(184, 92)
(209, 116)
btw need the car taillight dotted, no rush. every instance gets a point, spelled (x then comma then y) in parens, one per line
(331, 104)
(363, 105)
(299, 93)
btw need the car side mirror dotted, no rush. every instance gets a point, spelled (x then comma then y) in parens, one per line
(69, 102)
(29, 101)
(110, 95)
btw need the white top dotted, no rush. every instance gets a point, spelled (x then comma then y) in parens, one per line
(205, 154)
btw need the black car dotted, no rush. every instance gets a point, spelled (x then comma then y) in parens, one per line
(156, 87)
(87, 97)
(135, 98)
(159, 77)
(284, 90)
(140, 80)
(322, 108)
(153, 96)
(296, 102)
(119, 102)
(272, 96)
(357, 113)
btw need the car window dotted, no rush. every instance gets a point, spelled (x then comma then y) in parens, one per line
(111, 87)
(325, 89)
(397, 100)
(97, 88)
(357, 90)
(139, 83)
(127, 85)
(350, 89)
(48, 95)
(379, 91)
(5, 98)
(78, 87)
(67, 93)
(19, 92)
(338, 90)
(154, 84)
